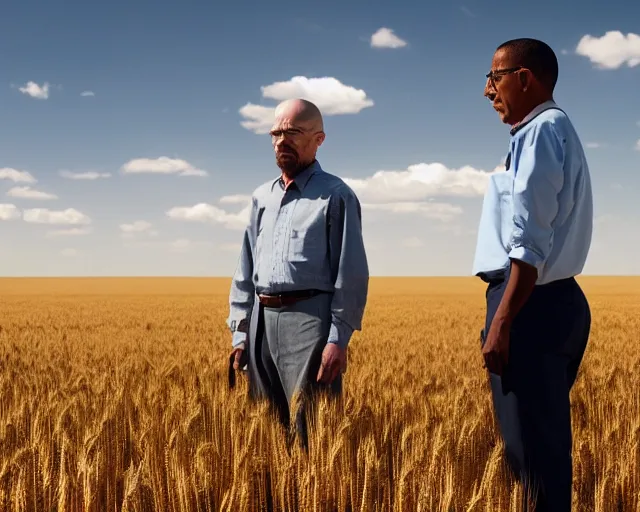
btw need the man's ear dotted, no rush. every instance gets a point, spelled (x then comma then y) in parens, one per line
(524, 80)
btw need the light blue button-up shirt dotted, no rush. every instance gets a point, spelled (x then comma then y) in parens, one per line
(540, 210)
(307, 236)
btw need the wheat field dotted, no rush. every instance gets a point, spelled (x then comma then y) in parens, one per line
(114, 397)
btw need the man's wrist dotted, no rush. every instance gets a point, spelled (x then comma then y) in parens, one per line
(339, 334)
(238, 339)
(503, 319)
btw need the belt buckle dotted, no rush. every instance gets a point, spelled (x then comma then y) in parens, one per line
(273, 301)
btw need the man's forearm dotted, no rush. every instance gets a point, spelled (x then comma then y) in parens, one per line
(339, 333)
(240, 334)
(521, 283)
(242, 294)
(349, 267)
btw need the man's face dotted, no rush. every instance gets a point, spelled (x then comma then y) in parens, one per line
(295, 143)
(504, 88)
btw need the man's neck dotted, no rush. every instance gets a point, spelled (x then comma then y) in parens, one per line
(289, 176)
(531, 110)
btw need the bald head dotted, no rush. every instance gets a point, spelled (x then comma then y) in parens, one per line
(301, 112)
(297, 133)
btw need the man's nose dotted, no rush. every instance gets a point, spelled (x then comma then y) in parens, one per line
(489, 89)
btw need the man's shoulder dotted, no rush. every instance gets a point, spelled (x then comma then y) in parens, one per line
(555, 116)
(550, 124)
(263, 190)
(553, 119)
(334, 184)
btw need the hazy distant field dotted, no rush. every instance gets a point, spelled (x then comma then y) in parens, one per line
(113, 396)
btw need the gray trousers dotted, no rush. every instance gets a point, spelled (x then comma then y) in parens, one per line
(285, 355)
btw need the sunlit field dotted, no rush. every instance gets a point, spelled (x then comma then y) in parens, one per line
(114, 396)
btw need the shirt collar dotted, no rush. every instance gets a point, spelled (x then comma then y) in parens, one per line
(535, 112)
(303, 176)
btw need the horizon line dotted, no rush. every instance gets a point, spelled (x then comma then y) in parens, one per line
(178, 276)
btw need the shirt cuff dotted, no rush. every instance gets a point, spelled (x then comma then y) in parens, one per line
(340, 334)
(526, 255)
(238, 338)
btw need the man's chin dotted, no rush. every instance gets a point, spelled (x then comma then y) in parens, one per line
(287, 164)
(505, 117)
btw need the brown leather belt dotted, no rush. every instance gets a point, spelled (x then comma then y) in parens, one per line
(279, 300)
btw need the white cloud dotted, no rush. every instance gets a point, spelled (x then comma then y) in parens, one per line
(236, 199)
(68, 232)
(27, 192)
(85, 94)
(330, 95)
(88, 175)
(258, 119)
(204, 212)
(419, 182)
(138, 226)
(594, 145)
(7, 173)
(35, 91)
(161, 165)
(637, 146)
(9, 212)
(69, 252)
(70, 216)
(385, 38)
(444, 212)
(612, 50)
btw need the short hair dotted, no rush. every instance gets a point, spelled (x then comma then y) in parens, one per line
(536, 56)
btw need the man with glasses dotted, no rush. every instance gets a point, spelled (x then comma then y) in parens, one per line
(301, 284)
(533, 238)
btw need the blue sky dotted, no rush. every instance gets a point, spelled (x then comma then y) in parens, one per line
(164, 88)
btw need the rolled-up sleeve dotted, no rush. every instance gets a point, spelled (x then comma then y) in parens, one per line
(538, 181)
(242, 294)
(349, 267)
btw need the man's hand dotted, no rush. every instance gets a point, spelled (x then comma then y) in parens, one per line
(333, 363)
(496, 347)
(521, 282)
(238, 351)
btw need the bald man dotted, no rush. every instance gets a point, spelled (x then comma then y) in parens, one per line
(301, 284)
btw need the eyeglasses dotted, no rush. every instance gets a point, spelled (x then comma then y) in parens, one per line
(291, 133)
(287, 134)
(496, 76)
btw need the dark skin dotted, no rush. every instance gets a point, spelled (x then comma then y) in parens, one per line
(514, 92)
(496, 348)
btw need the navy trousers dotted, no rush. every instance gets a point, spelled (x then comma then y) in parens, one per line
(531, 400)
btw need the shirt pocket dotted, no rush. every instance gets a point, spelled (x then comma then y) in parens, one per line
(306, 244)
(307, 238)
